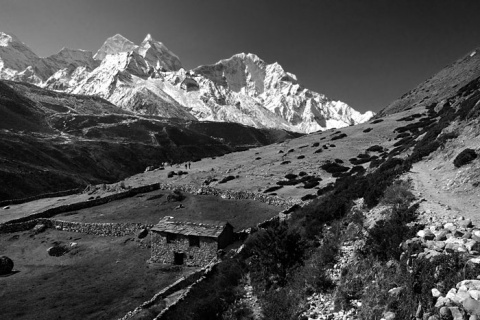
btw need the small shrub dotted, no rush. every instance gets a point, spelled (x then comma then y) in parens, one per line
(301, 157)
(288, 182)
(340, 161)
(341, 136)
(357, 162)
(329, 187)
(290, 176)
(375, 148)
(318, 150)
(280, 305)
(272, 189)
(310, 184)
(368, 130)
(275, 253)
(308, 197)
(402, 135)
(226, 179)
(285, 162)
(175, 196)
(398, 194)
(384, 239)
(464, 157)
(403, 142)
(316, 144)
(332, 167)
(358, 169)
(376, 121)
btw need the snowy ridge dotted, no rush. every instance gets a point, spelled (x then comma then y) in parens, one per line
(149, 79)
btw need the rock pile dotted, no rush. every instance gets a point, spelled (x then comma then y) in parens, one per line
(444, 238)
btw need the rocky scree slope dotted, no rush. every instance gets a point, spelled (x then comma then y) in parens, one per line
(149, 79)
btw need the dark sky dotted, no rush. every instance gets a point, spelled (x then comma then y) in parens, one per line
(363, 52)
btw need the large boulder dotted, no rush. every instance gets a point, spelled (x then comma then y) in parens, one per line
(6, 265)
(142, 233)
(39, 228)
(57, 250)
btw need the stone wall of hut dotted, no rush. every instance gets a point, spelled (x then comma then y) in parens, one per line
(163, 252)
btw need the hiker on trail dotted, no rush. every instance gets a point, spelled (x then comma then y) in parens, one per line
(189, 165)
(186, 166)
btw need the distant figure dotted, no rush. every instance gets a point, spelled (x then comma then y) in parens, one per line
(189, 165)
(186, 166)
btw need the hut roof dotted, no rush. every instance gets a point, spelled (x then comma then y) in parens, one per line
(201, 228)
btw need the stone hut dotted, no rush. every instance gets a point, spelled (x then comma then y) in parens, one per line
(189, 242)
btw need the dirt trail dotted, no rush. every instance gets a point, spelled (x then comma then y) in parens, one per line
(430, 182)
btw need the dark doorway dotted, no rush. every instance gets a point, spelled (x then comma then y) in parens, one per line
(178, 258)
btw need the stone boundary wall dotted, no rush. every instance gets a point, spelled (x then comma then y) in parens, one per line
(40, 196)
(86, 204)
(99, 229)
(231, 194)
(180, 284)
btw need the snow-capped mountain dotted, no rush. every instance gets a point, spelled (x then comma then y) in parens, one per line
(18, 62)
(280, 92)
(149, 79)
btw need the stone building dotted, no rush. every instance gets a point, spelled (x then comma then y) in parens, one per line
(189, 242)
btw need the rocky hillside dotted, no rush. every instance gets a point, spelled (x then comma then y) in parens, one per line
(440, 86)
(392, 228)
(149, 79)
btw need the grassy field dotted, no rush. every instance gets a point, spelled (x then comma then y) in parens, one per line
(240, 213)
(101, 278)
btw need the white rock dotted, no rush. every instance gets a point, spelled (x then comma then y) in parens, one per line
(451, 294)
(436, 293)
(475, 294)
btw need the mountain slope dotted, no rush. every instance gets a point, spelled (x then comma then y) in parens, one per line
(441, 85)
(51, 141)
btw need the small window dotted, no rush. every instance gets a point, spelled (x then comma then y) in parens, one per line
(171, 237)
(194, 241)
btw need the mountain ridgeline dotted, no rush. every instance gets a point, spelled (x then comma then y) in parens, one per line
(148, 79)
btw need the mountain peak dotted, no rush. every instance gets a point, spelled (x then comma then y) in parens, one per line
(158, 55)
(8, 39)
(113, 45)
(148, 38)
